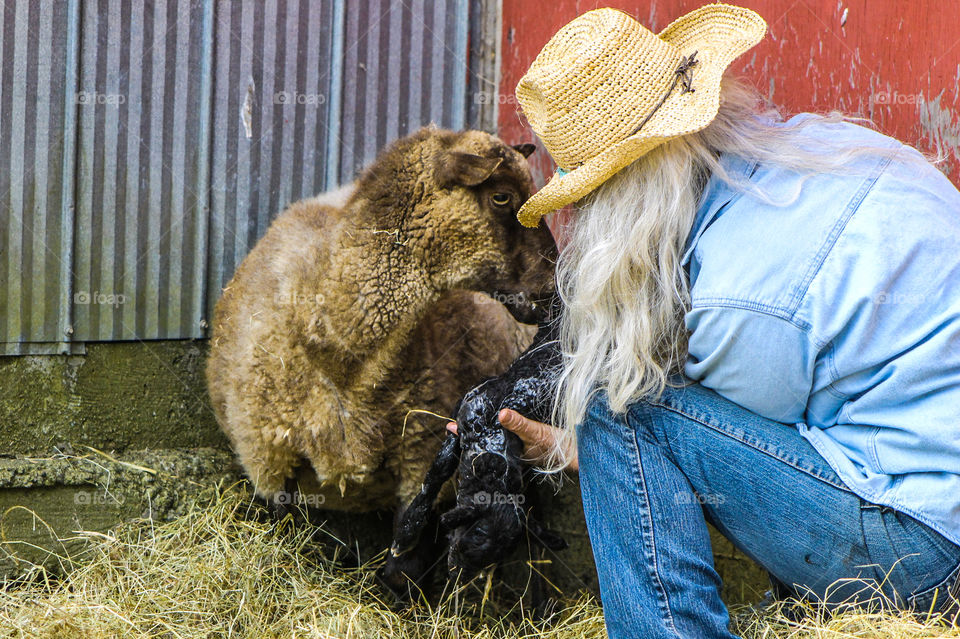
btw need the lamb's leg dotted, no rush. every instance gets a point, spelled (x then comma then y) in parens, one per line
(413, 554)
(408, 575)
(412, 521)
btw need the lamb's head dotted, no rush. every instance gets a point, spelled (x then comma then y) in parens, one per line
(491, 517)
(450, 201)
(491, 533)
(489, 524)
(489, 521)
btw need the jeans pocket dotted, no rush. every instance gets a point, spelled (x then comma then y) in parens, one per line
(916, 565)
(941, 598)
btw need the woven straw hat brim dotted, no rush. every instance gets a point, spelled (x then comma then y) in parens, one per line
(719, 34)
(560, 191)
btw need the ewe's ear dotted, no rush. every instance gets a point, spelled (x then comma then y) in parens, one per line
(464, 169)
(526, 150)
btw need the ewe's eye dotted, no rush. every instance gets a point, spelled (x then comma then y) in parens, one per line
(500, 199)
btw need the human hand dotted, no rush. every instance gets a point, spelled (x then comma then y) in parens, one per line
(538, 438)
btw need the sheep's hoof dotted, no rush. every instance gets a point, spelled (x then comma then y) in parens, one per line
(279, 511)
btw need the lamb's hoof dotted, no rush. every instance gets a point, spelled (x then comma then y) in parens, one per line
(407, 574)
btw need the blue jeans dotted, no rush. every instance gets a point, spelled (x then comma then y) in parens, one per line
(652, 477)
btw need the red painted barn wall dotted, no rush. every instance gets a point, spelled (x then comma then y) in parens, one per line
(893, 61)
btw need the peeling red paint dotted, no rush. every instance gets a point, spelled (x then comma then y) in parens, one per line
(897, 63)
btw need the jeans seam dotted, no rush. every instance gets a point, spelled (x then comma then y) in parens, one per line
(648, 534)
(880, 576)
(722, 431)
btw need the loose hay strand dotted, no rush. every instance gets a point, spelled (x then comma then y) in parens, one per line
(142, 469)
(420, 410)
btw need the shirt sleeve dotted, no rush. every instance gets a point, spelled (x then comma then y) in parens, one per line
(760, 361)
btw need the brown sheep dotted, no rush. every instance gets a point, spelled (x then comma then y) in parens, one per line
(343, 318)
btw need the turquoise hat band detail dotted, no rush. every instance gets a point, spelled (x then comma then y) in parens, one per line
(561, 172)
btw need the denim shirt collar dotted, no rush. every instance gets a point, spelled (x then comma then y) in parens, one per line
(716, 195)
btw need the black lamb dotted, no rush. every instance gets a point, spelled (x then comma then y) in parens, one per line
(491, 514)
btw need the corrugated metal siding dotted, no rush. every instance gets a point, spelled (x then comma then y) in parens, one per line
(34, 97)
(195, 123)
(390, 95)
(139, 207)
(272, 104)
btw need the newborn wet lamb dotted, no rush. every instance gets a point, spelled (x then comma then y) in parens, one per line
(345, 317)
(491, 516)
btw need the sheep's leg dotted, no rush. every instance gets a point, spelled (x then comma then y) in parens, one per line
(280, 503)
(539, 541)
(268, 461)
(540, 601)
(414, 518)
(288, 502)
(539, 597)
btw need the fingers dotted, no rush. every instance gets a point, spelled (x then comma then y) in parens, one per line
(531, 432)
(538, 438)
(528, 430)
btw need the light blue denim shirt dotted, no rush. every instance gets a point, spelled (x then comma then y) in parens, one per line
(840, 312)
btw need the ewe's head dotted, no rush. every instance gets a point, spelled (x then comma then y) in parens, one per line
(450, 200)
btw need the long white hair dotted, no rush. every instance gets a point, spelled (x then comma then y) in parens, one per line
(623, 289)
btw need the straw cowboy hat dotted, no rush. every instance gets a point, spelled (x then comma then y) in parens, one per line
(605, 90)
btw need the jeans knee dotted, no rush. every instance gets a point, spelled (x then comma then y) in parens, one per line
(644, 420)
(598, 422)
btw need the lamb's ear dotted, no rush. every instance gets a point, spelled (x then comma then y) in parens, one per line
(465, 169)
(526, 150)
(457, 517)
